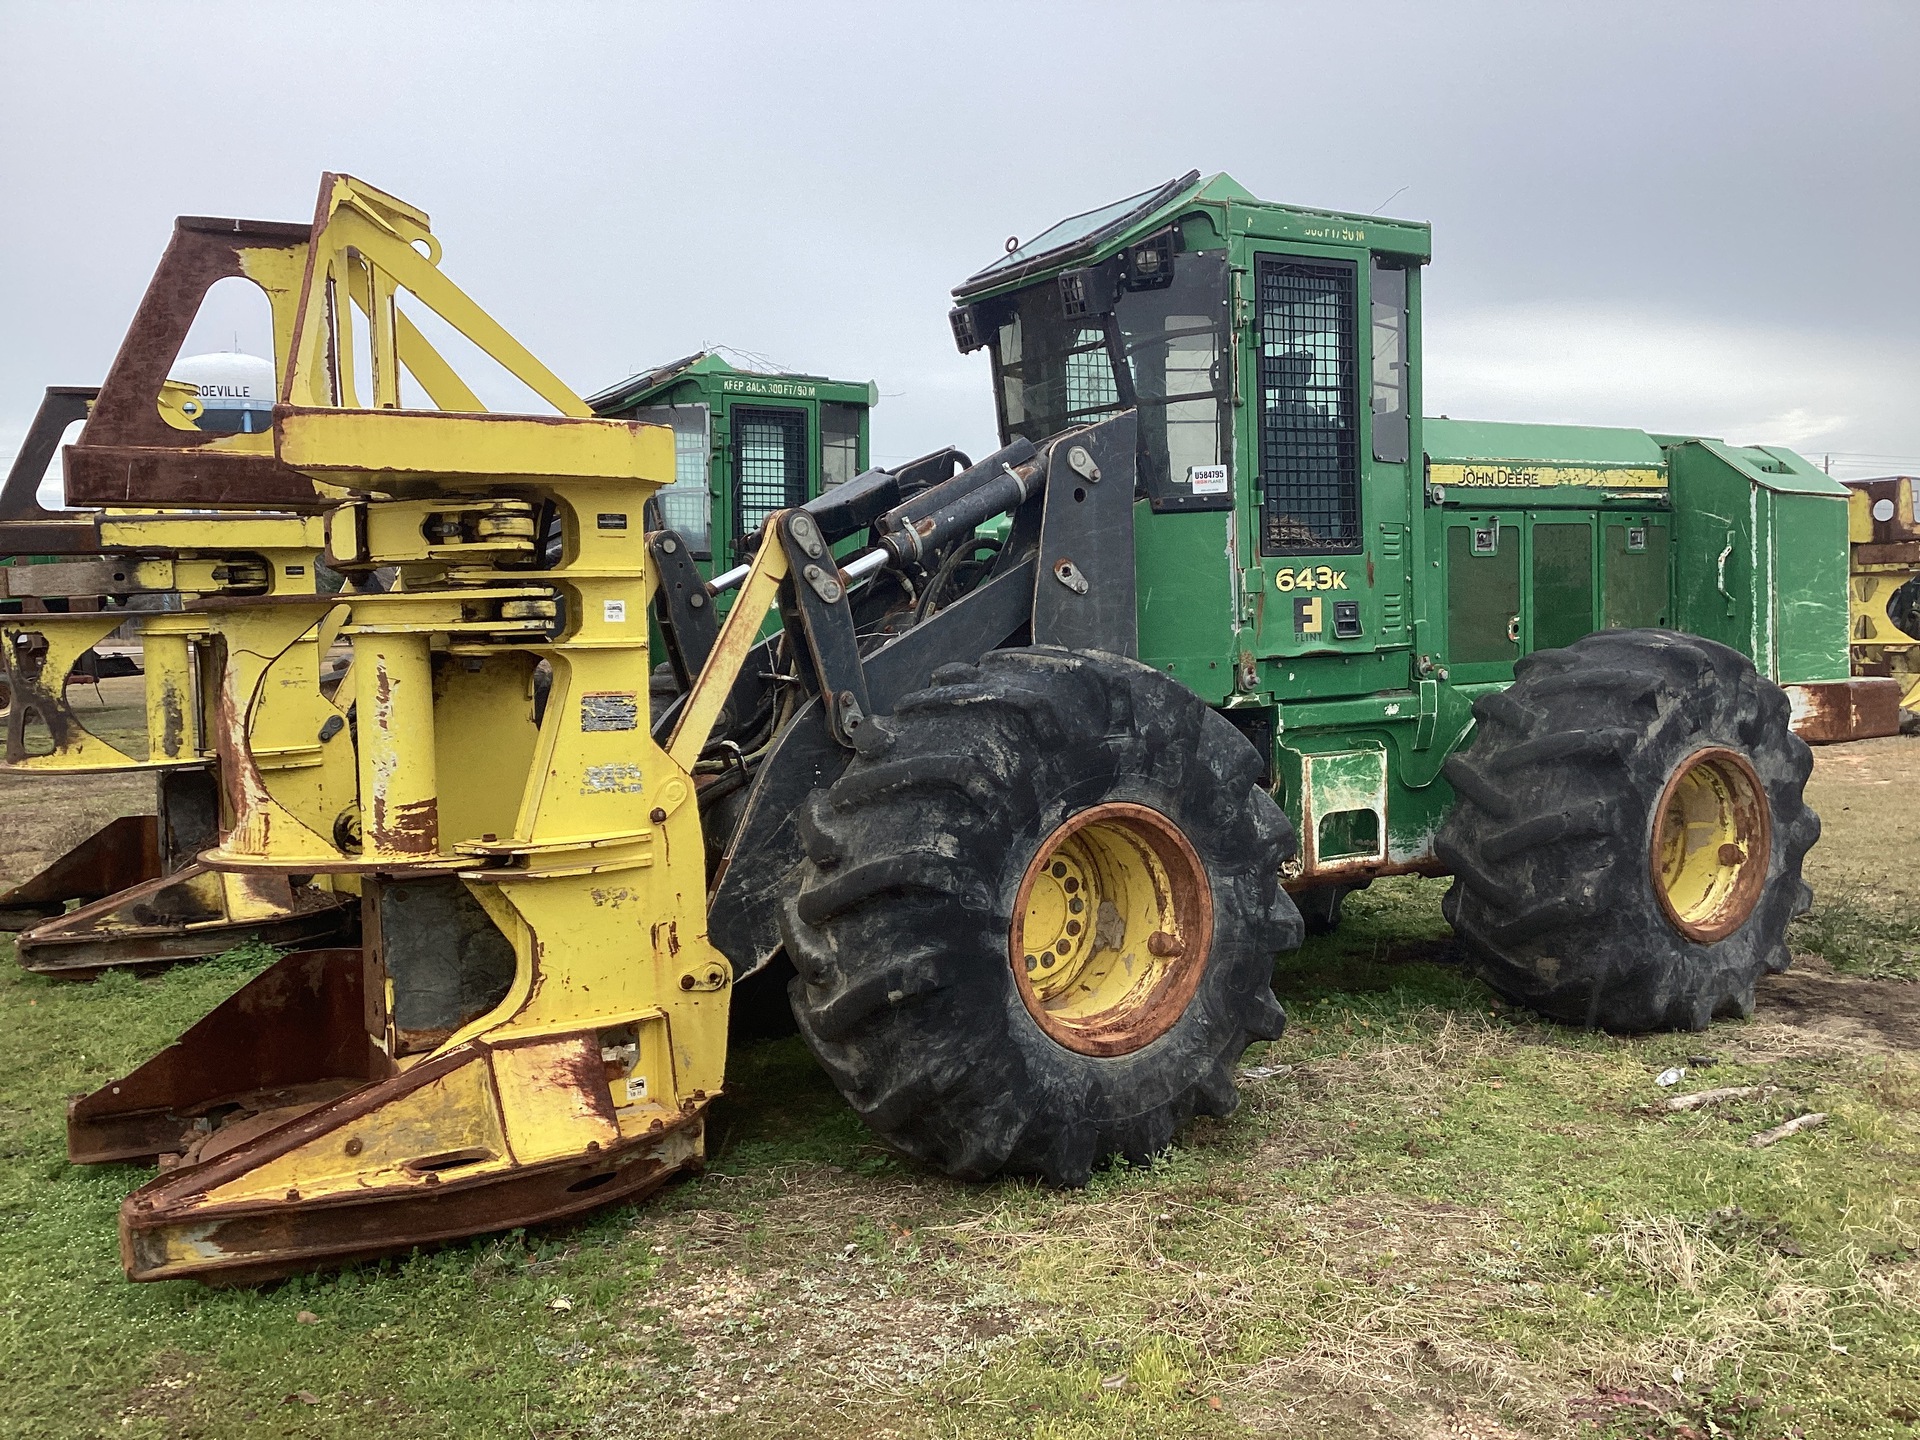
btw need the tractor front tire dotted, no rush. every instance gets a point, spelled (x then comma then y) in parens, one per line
(1628, 833)
(1039, 914)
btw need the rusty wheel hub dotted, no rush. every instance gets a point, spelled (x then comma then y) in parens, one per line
(1111, 929)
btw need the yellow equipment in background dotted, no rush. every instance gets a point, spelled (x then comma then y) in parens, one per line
(143, 897)
(1883, 531)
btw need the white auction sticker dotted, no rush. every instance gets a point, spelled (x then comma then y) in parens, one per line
(614, 612)
(1207, 479)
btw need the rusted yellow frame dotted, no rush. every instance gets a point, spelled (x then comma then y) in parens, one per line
(739, 633)
(368, 249)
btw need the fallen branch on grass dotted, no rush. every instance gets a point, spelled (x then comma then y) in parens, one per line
(1792, 1127)
(1711, 1097)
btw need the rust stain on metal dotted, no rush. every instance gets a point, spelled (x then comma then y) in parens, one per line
(254, 1241)
(413, 829)
(1752, 819)
(30, 698)
(173, 713)
(128, 454)
(1135, 1020)
(1828, 712)
(1361, 867)
(123, 853)
(238, 779)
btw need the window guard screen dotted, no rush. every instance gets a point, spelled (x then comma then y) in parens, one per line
(1309, 428)
(687, 504)
(769, 466)
(1162, 349)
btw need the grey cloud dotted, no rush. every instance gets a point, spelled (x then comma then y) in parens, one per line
(624, 184)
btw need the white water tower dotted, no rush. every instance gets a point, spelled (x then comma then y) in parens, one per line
(236, 391)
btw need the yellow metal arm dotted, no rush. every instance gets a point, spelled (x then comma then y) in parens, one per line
(738, 635)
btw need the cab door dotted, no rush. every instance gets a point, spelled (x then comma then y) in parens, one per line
(770, 470)
(1327, 449)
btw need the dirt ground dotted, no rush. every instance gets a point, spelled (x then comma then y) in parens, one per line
(1867, 795)
(1866, 865)
(1863, 1014)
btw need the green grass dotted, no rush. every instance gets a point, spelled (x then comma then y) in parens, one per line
(1876, 936)
(1438, 1212)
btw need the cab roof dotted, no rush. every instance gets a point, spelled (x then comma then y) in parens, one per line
(713, 369)
(1093, 235)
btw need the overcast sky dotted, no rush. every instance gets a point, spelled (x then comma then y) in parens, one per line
(1685, 217)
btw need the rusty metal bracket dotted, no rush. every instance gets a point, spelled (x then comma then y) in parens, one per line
(189, 915)
(295, 1033)
(129, 454)
(26, 526)
(121, 853)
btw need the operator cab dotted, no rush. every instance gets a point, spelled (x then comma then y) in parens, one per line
(746, 443)
(1273, 538)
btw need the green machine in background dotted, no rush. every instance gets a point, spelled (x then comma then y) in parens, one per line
(747, 443)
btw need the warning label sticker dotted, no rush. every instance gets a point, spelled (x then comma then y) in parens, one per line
(610, 710)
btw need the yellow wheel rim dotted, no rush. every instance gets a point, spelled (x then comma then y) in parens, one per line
(1111, 929)
(1712, 838)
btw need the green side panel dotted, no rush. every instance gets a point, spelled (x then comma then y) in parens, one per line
(1562, 583)
(1809, 590)
(1762, 556)
(1636, 577)
(1713, 541)
(1349, 781)
(1185, 598)
(1483, 596)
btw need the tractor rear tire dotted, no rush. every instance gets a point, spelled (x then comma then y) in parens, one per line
(1037, 922)
(1628, 833)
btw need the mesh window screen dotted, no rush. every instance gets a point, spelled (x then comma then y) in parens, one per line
(686, 505)
(1309, 433)
(769, 465)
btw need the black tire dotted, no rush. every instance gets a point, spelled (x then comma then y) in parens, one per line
(901, 921)
(1552, 841)
(1322, 907)
(1903, 608)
